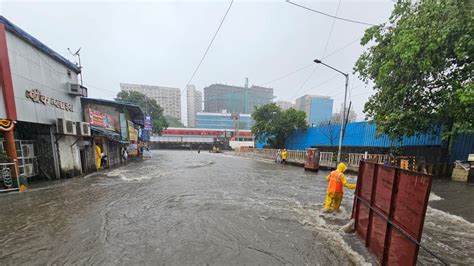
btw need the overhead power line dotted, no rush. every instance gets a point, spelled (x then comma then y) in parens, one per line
(289, 74)
(209, 46)
(325, 49)
(312, 64)
(329, 15)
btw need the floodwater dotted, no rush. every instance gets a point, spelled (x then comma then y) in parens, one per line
(181, 208)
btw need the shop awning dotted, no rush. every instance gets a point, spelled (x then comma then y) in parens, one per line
(106, 133)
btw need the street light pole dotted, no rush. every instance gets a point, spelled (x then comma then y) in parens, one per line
(343, 116)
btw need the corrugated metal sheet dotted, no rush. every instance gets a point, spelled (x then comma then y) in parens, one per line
(462, 146)
(358, 134)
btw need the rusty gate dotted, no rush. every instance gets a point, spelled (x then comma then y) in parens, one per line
(389, 211)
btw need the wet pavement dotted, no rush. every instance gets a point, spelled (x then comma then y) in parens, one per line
(184, 208)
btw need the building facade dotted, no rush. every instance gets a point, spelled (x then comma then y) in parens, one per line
(285, 105)
(114, 126)
(224, 120)
(318, 109)
(168, 98)
(235, 99)
(193, 103)
(41, 94)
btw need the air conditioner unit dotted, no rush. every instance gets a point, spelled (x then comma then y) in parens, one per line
(28, 150)
(66, 127)
(29, 169)
(83, 128)
(74, 89)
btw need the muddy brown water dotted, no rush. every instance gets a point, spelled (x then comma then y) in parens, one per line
(181, 208)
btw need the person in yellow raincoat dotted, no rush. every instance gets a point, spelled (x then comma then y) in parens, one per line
(98, 156)
(337, 180)
(283, 156)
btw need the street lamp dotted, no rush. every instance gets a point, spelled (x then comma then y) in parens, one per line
(343, 116)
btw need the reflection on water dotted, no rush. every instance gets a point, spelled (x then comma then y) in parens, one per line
(188, 208)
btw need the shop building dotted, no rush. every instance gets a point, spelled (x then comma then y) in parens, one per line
(41, 95)
(115, 126)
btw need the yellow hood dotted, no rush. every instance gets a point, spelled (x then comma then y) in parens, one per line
(341, 167)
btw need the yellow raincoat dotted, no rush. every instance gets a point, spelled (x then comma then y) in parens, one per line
(283, 154)
(98, 156)
(337, 180)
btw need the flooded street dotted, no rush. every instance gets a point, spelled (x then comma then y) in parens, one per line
(181, 207)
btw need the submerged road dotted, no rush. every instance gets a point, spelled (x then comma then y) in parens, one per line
(183, 208)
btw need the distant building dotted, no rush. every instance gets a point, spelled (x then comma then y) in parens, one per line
(317, 108)
(218, 97)
(194, 104)
(168, 98)
(285, 105)
(224, 120)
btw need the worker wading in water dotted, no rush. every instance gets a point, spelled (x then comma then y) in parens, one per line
(337, 180)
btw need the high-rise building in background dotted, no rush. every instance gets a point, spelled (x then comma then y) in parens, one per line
(193, 103)
(285, 105)
(168, 98)
(224, 120)
(235, 99)
(317, 108)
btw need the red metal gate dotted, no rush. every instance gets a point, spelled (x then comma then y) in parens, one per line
(389, 211)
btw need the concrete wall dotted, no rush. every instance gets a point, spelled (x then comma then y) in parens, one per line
(32, 69)
(69, 157)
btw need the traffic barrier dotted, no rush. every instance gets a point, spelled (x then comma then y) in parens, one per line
(389, 211)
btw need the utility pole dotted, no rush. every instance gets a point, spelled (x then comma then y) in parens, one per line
(343, 116)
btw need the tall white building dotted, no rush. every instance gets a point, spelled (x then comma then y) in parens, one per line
(285, 105)
(194, 104)
(168, 98)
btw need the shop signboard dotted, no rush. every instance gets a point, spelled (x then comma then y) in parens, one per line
(145, 134)
(132, 150)
(123, 126)
(148, 125)
(132, 132)
(101, 119)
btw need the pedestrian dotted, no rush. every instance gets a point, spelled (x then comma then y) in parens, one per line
(98, 156)
(283, 156)
(334, 193)
(278, 157)
(103, 159)
(124, 154)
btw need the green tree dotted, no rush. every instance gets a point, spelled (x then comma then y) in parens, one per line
(173, 121)
(150, 106)
(274, 124)
(420, 63)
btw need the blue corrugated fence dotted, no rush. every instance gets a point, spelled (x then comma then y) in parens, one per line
(358, 134)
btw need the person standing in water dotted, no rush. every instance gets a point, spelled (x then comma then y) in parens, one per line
(278, 157)
(283, 156)
(334, 194)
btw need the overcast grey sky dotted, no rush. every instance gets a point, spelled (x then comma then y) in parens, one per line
(161, 42)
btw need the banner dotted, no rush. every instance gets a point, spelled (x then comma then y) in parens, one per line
(123, 127)
(100, 119)
(132, 132)
(145, 134)
(148, 123)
